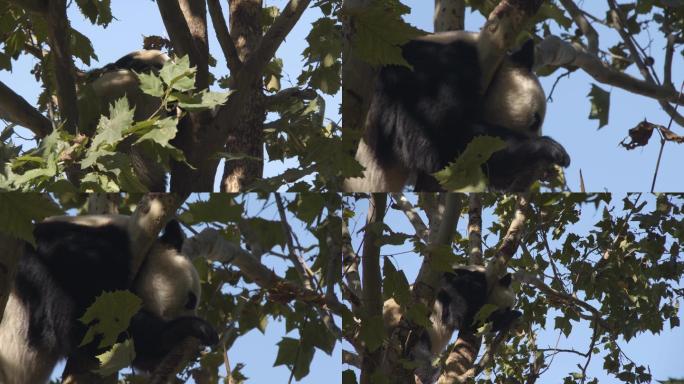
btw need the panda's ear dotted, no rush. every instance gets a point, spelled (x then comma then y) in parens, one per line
(524, 56)
(173, 235)
(506, 280)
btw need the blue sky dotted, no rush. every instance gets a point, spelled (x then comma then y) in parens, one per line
(605, 166)
(669, 344)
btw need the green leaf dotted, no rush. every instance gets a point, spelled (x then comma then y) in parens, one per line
(151, 84)
(380, 33)
(349, 377)
(600, 105)
(220, 207)
(465, 174)
(178, 74)
(118, 357)
(19, 210)
(295, 355)
(109, 316)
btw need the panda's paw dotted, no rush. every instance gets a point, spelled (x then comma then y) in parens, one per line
(552, 151)
(193, 327)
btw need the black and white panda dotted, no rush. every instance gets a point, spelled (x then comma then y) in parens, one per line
(421, 118)
(460, 295)
(113, 81)
(75, 260)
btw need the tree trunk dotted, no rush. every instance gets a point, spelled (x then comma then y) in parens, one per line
(247, 138)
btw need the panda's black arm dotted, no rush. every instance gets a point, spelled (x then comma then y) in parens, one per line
(154, 337)
(520, 163)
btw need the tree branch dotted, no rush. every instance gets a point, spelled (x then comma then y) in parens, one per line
(223, 36)
(583, 24)
(410, 211)
(276, 35)
(195, 13)
(554, 51)
(509, 244)
(16, 109)
(211, 245)
(499, 32)
(449, 15)
(179, 31)
(372, 277)
(59, 36)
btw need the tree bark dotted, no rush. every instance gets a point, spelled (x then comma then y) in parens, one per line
(247, 136)
(449, 15)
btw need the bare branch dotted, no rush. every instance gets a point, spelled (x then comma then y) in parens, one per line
(211, 245)
(410, 211)
(554, 51)
(475, 229)
(174, 361)
(509, 244)
(449, 15)
(223, 36)
(16, 109)
(529, 278)
(195, 13)
(59, 36)
(372, 277)
(290, 93)
(276, 34)
(583, 24)
(667, 67)
(179, 30)
(499, 32)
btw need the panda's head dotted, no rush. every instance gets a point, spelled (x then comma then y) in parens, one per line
(167, 282)
(500, 293)
(515, 99)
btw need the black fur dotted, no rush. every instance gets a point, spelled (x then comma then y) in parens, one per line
(73, 264)
(423, 118)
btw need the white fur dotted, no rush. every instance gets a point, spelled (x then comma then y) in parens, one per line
(523, 95)
(152, 56)
(375, 178)
(19, 362)
(164, 281)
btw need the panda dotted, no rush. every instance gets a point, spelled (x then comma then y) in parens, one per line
(421, 118)
(460, 295)
(113, 81)
(75, 260)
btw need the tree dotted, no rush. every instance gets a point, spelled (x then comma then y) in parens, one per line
(230, 124)
(596, 270)
(262, 260)
(627, 53)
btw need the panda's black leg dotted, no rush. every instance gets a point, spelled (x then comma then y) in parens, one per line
(524, 159)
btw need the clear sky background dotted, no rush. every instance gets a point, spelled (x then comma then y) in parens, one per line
(661, 353)
(604, 165)
(136, 19)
